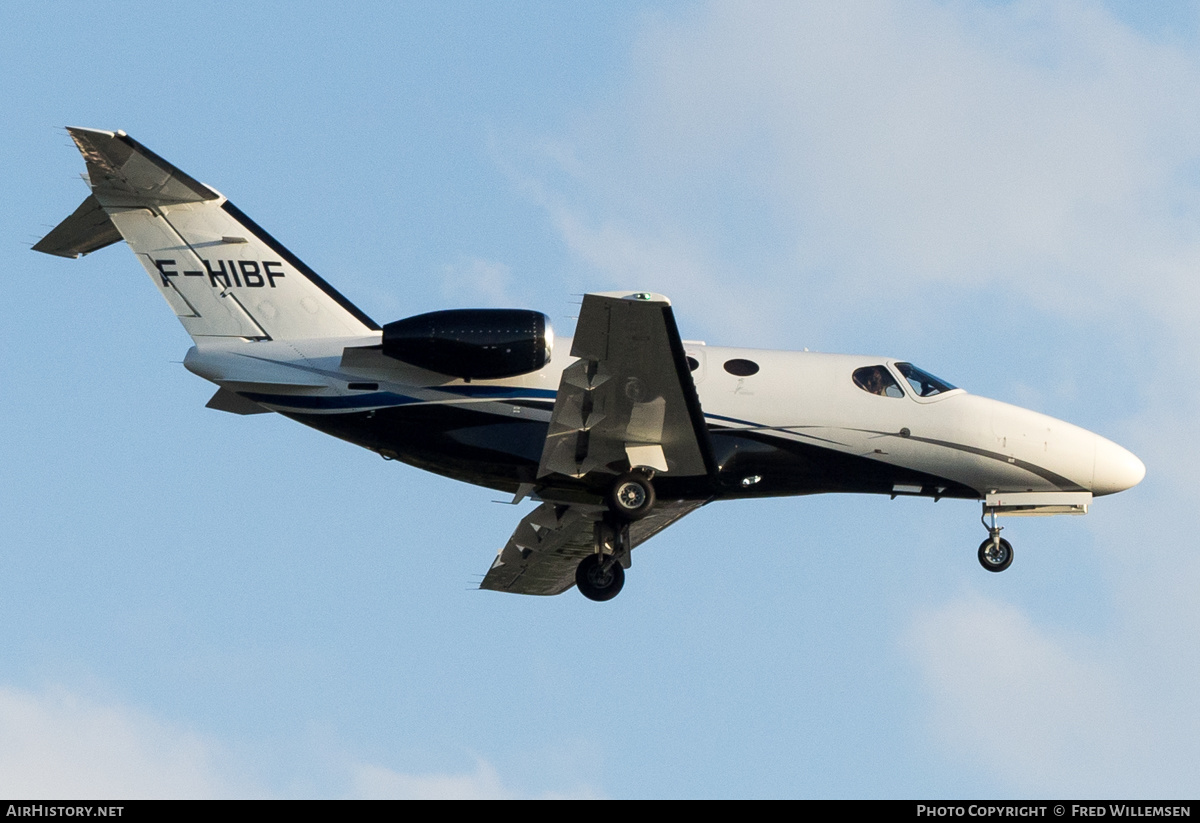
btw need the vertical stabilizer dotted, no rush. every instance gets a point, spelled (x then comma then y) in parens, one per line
(220, 273)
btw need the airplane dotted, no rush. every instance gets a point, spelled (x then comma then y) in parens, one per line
(616, 433)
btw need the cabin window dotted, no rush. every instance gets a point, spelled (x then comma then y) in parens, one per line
(740, 367)
(923, 383)
(877, 380)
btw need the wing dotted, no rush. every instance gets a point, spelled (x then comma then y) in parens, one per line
(541, 555)
(629, 400)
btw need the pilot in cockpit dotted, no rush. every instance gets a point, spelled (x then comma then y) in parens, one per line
(876, 380)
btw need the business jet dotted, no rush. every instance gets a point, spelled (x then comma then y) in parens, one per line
(616, 434)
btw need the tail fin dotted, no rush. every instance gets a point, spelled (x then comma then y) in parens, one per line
(217, 269)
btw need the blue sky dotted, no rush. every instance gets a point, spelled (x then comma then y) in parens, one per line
(1008, 194)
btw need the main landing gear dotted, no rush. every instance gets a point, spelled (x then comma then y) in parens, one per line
(631, 497)
(995, 553)
(600, 575)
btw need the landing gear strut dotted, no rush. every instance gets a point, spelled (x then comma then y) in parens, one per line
(601, 575)
(995, 553)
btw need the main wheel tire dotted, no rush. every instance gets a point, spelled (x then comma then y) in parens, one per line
(598, 580)
(995, 558)
(631, 497)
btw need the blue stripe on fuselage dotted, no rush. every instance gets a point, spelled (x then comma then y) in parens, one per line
(376, 400)
(383, 399)
(497, 391)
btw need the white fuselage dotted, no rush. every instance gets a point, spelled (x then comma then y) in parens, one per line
(794, 398)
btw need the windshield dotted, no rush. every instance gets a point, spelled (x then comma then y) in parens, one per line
(922, 382)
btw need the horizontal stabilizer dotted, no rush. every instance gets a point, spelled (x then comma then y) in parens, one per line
(86, 230)
(124, 172)
(227, 400)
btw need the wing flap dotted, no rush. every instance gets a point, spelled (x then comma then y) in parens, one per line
(541, 556)
(545, 548)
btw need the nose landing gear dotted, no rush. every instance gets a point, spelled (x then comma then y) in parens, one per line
(995, 553)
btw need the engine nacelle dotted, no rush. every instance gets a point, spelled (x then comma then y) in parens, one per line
(484, 344)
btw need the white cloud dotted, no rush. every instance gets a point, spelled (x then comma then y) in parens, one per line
(1020, 703)
(1040, 145)
(1048, 712)
(57, 744)
(378, 782)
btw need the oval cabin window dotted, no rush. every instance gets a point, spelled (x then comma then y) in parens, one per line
(740, 367)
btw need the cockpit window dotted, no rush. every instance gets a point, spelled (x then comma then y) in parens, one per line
(922, 382)
(877, 380)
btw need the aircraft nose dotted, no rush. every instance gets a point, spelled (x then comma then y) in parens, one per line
(1116, 469)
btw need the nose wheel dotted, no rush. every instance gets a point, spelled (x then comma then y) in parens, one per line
(995, 553)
